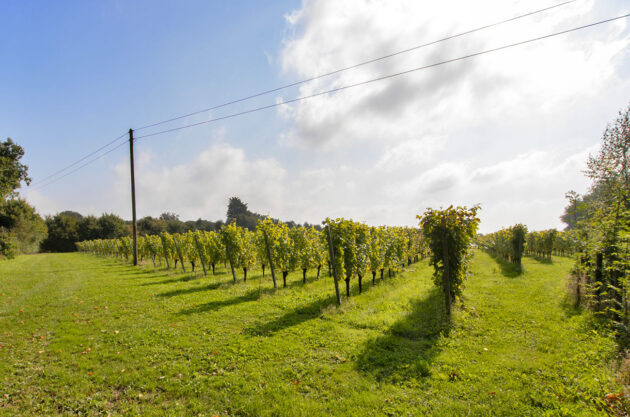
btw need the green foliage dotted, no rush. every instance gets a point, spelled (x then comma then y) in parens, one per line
(376, 249)
(8, 245)
(21, 220)
(12, 171)
(602, 268)
(63, 232)
(450, 233)
(112, 226)
(541, 243)
(508, 243)
(68, 227)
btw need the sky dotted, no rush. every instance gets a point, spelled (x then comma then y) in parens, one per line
(509, 130)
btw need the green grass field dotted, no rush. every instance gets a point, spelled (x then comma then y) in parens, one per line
(81, 335)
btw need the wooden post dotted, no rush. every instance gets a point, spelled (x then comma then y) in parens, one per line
(334, 268)
(200, 256)
(446, 278)
(179, 253)
(168, 265)
(133, 201)
(227, 249)
(273, 272)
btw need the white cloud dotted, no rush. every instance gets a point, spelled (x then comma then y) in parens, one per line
(509, 130)
(328, 35)
(202, 187)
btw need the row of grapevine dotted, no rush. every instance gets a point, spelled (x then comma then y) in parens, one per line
(449, 235)
(358, 249)
(508, 243)
(541, 243)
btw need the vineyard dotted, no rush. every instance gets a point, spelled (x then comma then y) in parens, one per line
(357, 250)
(347, 250)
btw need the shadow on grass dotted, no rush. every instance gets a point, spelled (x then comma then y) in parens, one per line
(191, 290)
(408, 347)
(292, 318)
(541, 259)
(508, 269)
(252, 295)
(170, 281)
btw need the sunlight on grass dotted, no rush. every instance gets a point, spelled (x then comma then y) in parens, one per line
(85, 335)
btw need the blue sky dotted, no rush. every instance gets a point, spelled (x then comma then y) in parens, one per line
(510, 131)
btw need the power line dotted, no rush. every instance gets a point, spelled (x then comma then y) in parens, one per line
(333, 91)
(81, 166)
(385, 77)
(262, 93)
(54, 174)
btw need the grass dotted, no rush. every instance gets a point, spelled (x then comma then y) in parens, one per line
(81, 335)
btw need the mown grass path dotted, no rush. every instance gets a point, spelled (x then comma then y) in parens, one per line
(80, 335)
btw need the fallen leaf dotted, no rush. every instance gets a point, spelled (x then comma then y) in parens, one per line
(613, 397)
(90, 373)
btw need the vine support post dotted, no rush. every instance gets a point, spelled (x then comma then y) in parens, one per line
(200, 256)
(446, 278)
(179, 253)
(273, 272)
(332, 262)
(227, 249)
(168, 265)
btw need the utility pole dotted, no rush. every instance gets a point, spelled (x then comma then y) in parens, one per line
(133, 200)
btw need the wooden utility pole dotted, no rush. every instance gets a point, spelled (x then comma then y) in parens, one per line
(133, 200)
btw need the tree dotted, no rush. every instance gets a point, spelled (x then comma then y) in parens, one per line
(89, 228)
(173, 223)
(112, 226)
(63, 232)
(151, 226)
(20, 221)
(236, 209)
(12, 171)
